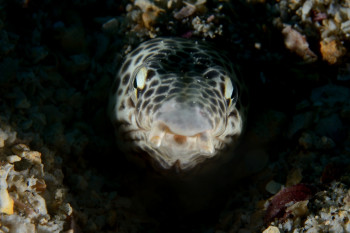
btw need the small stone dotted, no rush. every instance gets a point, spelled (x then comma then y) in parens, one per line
(6, 202)
(185, 12)
(332, 51)
(296, 42)
(33, 156)
(325, 143)
(39, 53)
(331, 126)
(111, 26)
(79, 63)
(22, 103)
(73, 40)
(19, 149)
(150, 12)
(306, 140)
(284, 198)
(330, 95)
(294, 177)
(13, 158)
(298, 209)
(2, 142)
(272, 229)
(128, 7)
(40, 185)
(112, 218)
(346, 199)
(273, 187)
(299, 122)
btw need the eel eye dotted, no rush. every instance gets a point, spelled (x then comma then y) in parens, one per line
(231, 93)
(140, 78)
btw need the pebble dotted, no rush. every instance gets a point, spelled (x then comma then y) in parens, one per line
(272, 229)
(111, 26)
(306, 140)
(332, 51)
(6, 202)
(330, 95)
(13, 158)
(38, 53)
(273, 187)
(73, 39)
(300, 121)
(77, 63)
(294, 177)
(331, 126)
(297, 43)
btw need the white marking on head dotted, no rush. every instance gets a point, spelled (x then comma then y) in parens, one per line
(228, 88)
(141, 78)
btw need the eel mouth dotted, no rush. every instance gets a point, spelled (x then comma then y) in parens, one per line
(162, 135)
(181, 134)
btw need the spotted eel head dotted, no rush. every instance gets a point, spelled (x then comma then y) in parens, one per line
(176, 105)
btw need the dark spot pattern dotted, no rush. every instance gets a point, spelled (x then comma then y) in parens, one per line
(131, 103)
(145, 104)
(211, 74)
(205, 95)
(212, 83)
(175, 59)
(162, 89)
(179, 84)
(159, 98)
(126, 78)
(213, 108)
(139, 103)
(180, 99)
(154, 83)
(148, 93)
(222, 107)
(234, 114)
(126, 66)
(136, 51)
(165, 51)
(156, 107)
(174, 91)
(213, 101)
(150, 74)
(138, 59)
(151, 46)
(146, 57)
(189, 50)
(120, 92)
(218, 94)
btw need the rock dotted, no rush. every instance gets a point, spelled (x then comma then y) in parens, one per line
(331, 51)
(73, 40)
(331, 126)
(38, 53)
(6, 202)
(296, 42)
(272, 229)
(300, 121)
(273, 187)
(329, 95)
(111, 26)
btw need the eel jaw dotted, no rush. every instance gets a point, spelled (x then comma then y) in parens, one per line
(184, 151)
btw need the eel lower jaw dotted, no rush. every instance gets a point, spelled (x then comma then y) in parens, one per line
(175, 144)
